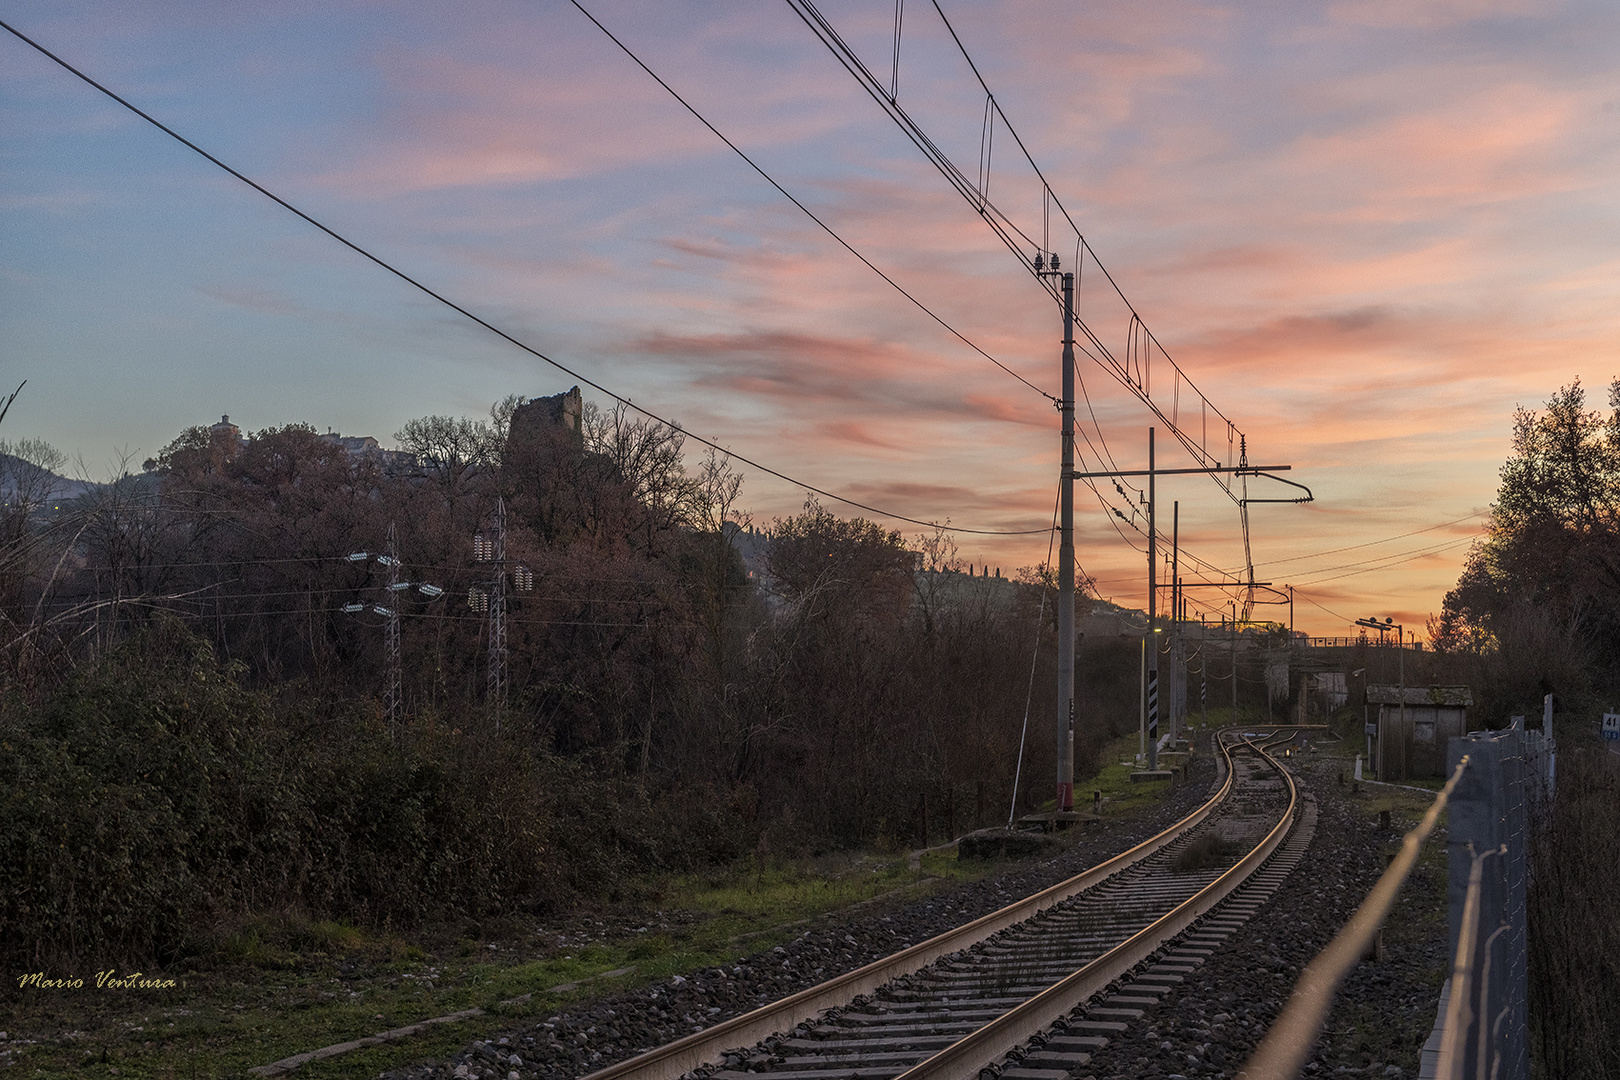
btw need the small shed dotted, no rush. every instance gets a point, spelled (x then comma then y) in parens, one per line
(1412, 726)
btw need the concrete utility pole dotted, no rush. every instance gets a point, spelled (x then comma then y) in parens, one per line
(1152, 642)
(1065, 672)
(1141, 703)
(1234, 661)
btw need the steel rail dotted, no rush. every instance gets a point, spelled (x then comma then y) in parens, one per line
(963, 1059)
(686, 1054)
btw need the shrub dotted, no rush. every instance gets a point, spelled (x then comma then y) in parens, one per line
(1574, 938)
(153, 797)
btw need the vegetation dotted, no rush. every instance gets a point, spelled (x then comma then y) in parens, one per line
(1536, 611)
(1202, 853)
(1538, 603)
(1574, 940)
(193, 682)
(274, 985)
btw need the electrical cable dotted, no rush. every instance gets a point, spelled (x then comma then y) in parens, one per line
(828, 229)
(1372, 543)
(1385, 561)
(999, 222)
(1035, 652)
(1313, 603)
(452, 305)
(1004, 227)
(470, 619)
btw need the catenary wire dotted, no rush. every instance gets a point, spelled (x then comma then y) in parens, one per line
(828, 229)
(1399, 556)
(999, 222)
(1384, 564)
(978, 197)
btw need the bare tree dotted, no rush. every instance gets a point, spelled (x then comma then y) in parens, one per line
(452, 448)
(647, 454)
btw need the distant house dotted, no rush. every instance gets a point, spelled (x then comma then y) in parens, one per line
(227, 430)
(1410, 741)
(355, 446)
(1334, 690)
(366, 446)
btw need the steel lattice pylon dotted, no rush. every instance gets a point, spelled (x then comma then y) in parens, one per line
(496, 691)
(392, 696)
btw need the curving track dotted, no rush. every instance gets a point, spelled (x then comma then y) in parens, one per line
(1021, 988)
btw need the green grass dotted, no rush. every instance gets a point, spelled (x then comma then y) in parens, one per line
(275, 987)
(1120, 796)
(272, 987)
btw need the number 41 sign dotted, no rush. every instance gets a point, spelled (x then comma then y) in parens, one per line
(1611, 725)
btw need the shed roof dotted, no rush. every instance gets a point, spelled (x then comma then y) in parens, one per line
(1420, 695)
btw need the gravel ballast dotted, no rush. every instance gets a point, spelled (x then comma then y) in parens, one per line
(1206, 1027)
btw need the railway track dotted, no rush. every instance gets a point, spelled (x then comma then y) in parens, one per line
(1031, 990)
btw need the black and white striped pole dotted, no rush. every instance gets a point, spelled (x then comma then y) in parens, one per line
(1153, 625)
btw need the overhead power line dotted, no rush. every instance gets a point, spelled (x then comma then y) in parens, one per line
(1301, 594)
(1384, 562)
(1132, 365)
(1133, 369)
(491, 327)
(828, 229)
(850, 248)
(1374, 543)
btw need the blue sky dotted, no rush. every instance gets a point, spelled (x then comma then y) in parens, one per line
(1366, 230)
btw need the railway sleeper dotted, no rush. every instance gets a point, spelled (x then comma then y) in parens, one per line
(1159, 979)
(915, 1016)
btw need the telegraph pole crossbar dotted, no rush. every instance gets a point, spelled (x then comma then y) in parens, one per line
(1241, 470)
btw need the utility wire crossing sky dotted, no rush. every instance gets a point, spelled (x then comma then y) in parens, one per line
(1366, 232)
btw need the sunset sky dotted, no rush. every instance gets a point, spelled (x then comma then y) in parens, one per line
(1366, 231)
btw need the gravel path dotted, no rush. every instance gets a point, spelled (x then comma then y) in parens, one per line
(1206, 1028)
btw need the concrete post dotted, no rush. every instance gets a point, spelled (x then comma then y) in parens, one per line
(1064, 800)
